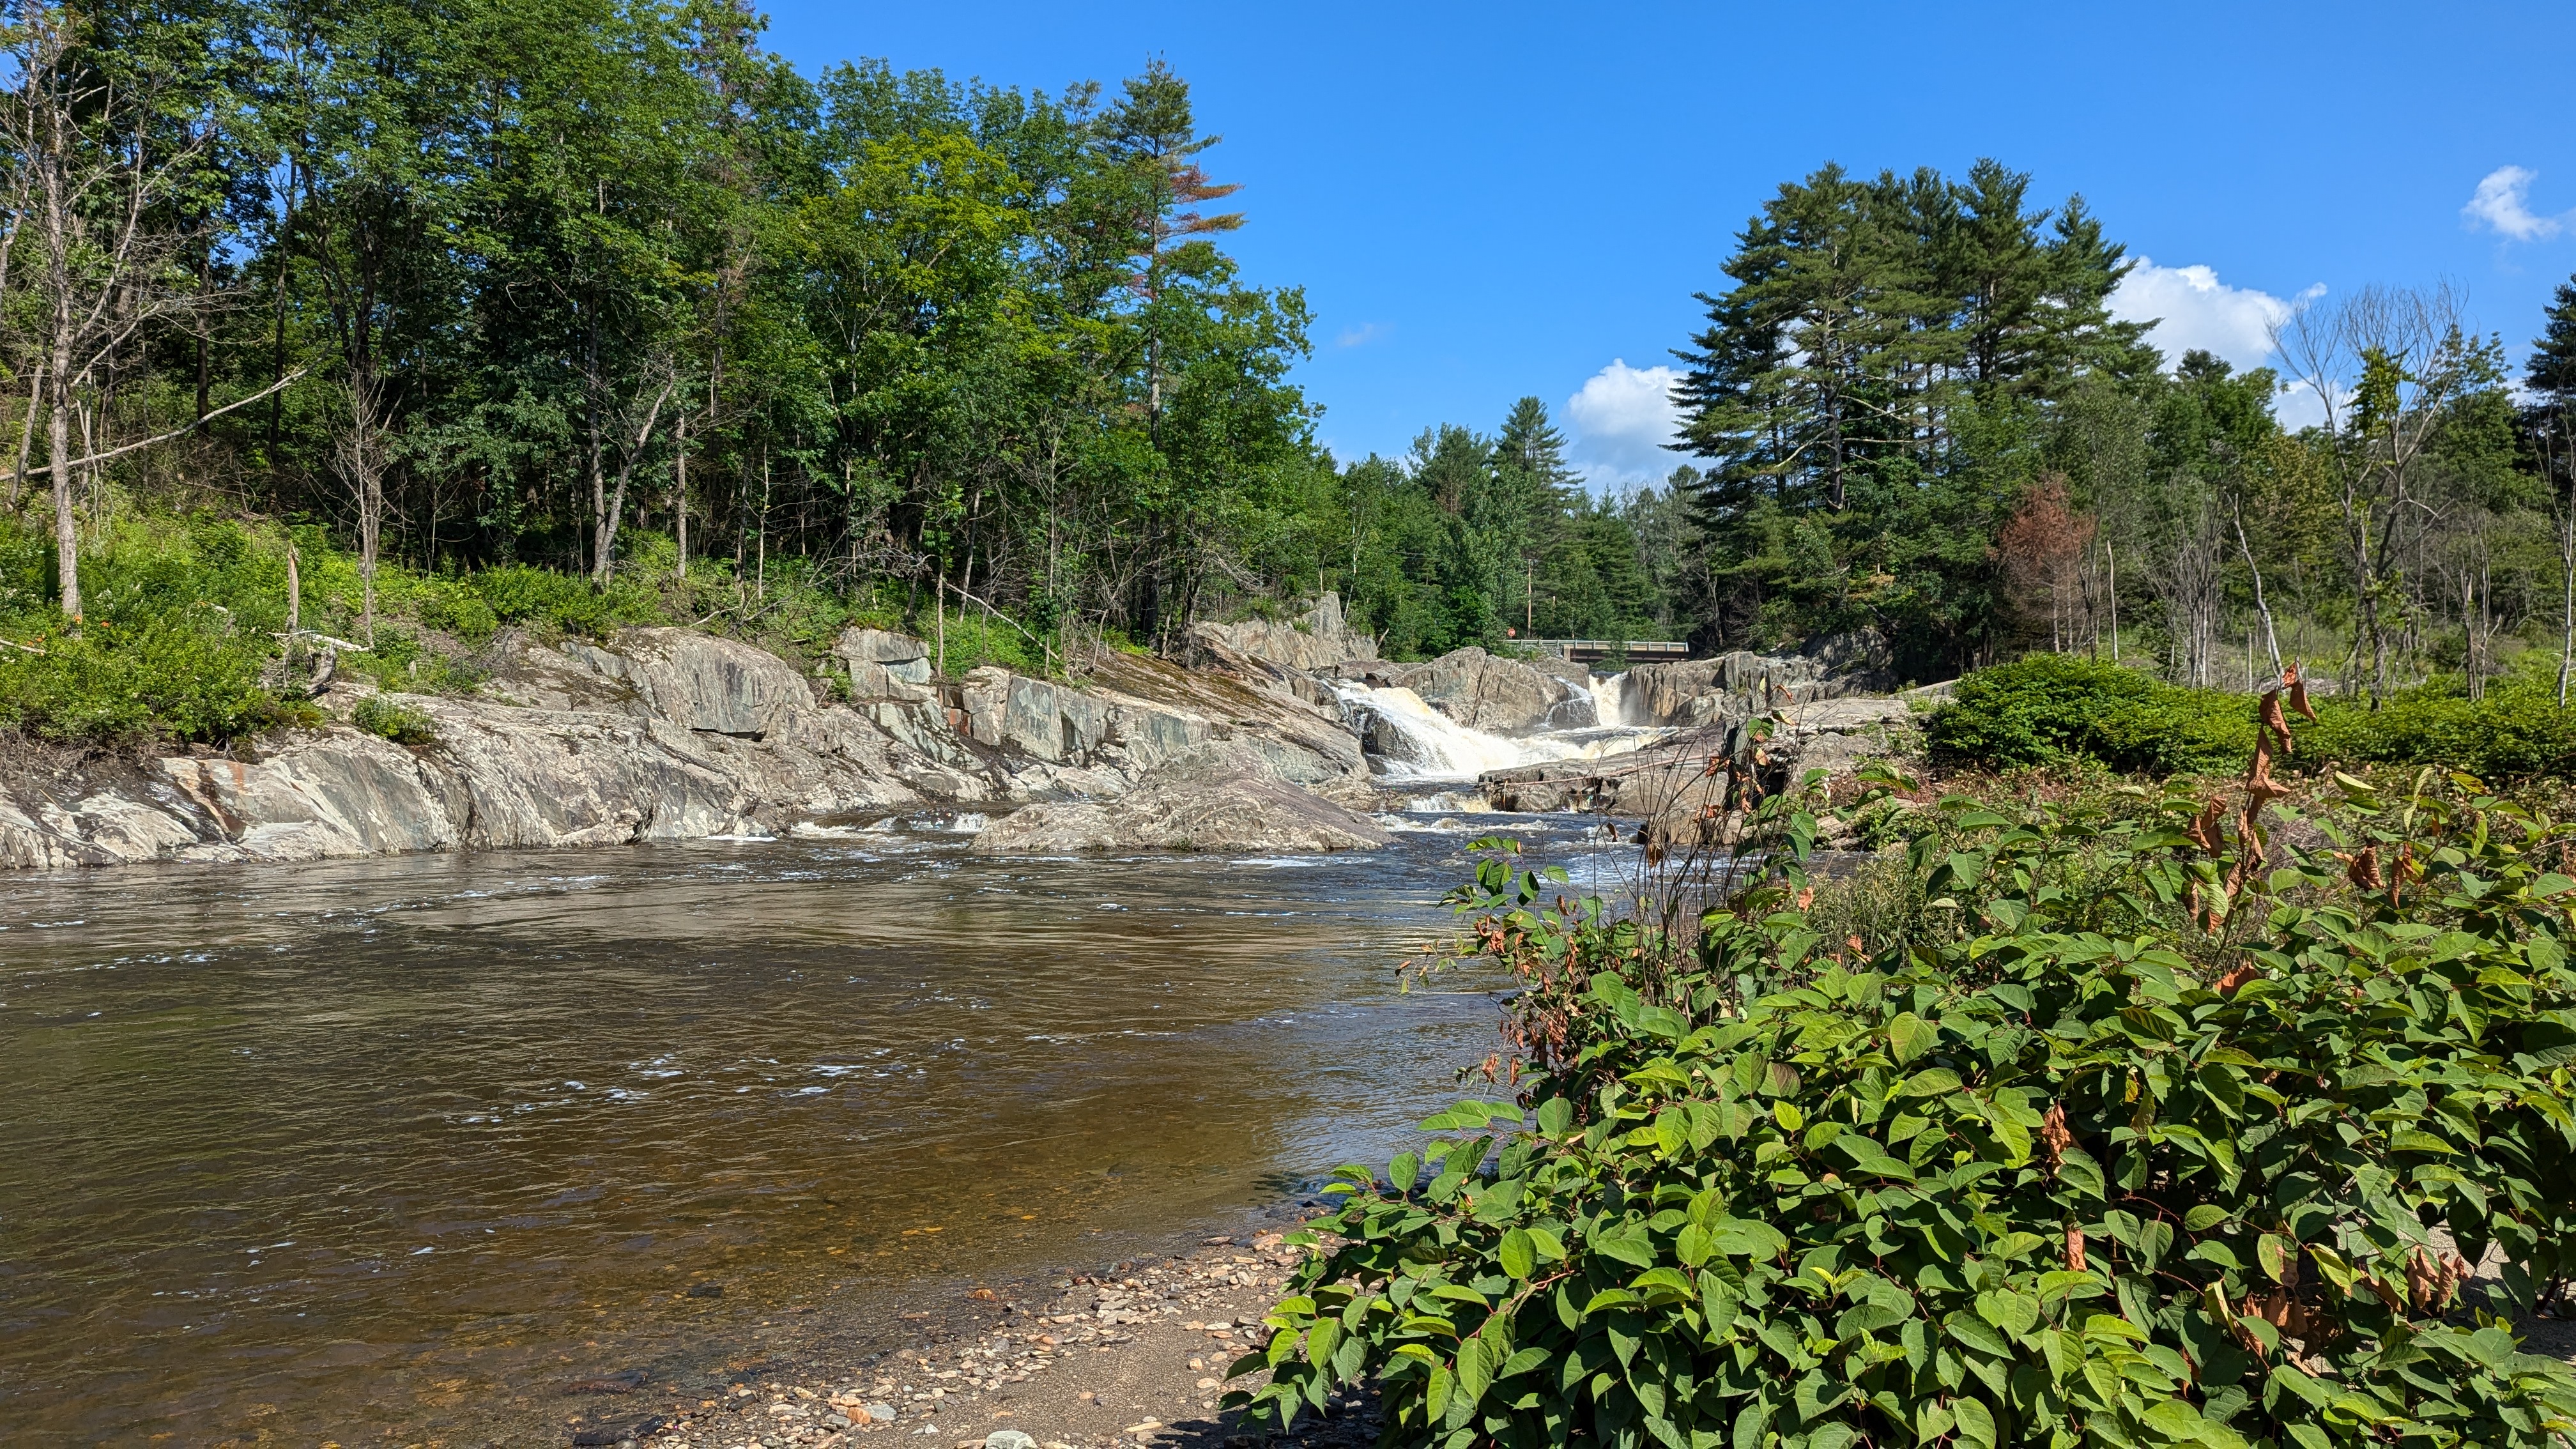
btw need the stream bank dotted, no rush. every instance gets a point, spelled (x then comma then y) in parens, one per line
(1258, 736)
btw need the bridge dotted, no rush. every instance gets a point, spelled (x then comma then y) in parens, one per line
(1593, 651)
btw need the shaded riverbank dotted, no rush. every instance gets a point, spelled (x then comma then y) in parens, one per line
(396, 1150)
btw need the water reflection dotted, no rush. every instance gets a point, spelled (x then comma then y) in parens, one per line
(402, 1146)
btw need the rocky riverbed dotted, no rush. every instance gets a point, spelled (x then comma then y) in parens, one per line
(1134, 1354)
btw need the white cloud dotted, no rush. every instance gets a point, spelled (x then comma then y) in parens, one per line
(2502, 202)
(2193, 309)
(1622, 418)
(1362, 335)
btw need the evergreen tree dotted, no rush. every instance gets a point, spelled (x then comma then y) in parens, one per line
(2552, 370)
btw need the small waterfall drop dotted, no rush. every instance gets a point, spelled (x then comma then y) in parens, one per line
(1410, 739)
(1407, 739)
(1610, 701)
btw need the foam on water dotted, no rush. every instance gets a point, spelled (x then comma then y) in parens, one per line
(1443, 749)
(1610, 699)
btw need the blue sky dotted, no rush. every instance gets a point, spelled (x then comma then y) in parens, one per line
(1495, 200)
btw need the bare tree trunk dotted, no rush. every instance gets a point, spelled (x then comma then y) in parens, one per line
(2567, 597)
(2271, 636)
(58, 436)
(604, 546)
(680, 501)
(27, 434)
(361, 456)
(2112, 557)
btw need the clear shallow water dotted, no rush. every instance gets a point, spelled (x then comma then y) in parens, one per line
(396, 1150)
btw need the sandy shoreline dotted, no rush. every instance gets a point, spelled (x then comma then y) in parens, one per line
(1134, 1354)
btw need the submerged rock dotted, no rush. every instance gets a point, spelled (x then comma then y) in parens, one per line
(1226, 799)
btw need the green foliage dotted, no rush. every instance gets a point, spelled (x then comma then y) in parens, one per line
(172, 648)
(521, 594)
(2047, 709)
(2072, 1172)
(2519, 731)
(399, 723)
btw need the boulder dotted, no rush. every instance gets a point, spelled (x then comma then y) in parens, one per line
(1857, 659)
(1222, 799)
(1300, 741)
(1488, 692)
(1698, 692)
(885, 666)
(1319, 639)
(1666, 781)
(702, 682)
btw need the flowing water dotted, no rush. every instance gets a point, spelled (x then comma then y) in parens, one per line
(1432, 746)
(407, 1149)
(396, 1150)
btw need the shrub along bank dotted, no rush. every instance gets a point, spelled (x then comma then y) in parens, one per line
(2134, 1145)
(2055, 709)
(185, 613)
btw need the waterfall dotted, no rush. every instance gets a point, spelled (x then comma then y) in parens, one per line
(1408, 739)
(1610, 700)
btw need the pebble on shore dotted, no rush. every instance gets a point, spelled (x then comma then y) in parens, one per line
(1161, 1332)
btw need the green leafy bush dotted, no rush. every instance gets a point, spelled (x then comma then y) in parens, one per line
(2047, 709)
(137, 677)
(399, 723)
(2518, 732)
(520, 594)
(2077, 1171)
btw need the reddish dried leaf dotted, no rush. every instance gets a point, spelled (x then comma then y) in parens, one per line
(2277, 725)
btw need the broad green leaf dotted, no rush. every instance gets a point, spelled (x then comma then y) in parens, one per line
(1518, 1253)
(1909, 1036)
(1976, 1421)
(2275, 1253)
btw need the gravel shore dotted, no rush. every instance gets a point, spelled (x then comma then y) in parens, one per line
(1134, 1356)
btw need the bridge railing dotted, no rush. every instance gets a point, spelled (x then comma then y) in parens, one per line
(1585, 651)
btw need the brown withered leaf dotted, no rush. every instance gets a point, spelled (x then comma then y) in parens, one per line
(2276, 724)
(2204, 830)
(2299, 693)
(2227, 984)
(2054, 1135)
(2074, 1250)
(2363, 869)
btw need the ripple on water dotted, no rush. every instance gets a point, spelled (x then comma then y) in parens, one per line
(244, 1103)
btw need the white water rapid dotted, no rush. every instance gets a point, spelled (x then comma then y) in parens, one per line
(1610, 700)
(1409, 740)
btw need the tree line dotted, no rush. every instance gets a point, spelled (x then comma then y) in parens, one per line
(606, 287)
(1920, 416)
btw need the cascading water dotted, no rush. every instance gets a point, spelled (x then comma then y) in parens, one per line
(1407, 739)
(1610, 700)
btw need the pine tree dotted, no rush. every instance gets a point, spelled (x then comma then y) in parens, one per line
(2552, 372)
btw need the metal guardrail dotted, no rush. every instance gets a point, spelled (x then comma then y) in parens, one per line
(1586, 651)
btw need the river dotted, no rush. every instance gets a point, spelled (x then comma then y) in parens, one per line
(396, 1150)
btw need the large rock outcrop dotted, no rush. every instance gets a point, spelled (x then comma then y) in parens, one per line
(1319, 640)
(1671, 780)
(666, 734)
(1221, 799)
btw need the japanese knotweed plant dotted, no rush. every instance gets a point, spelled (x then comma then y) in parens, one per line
(2094, 1168)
